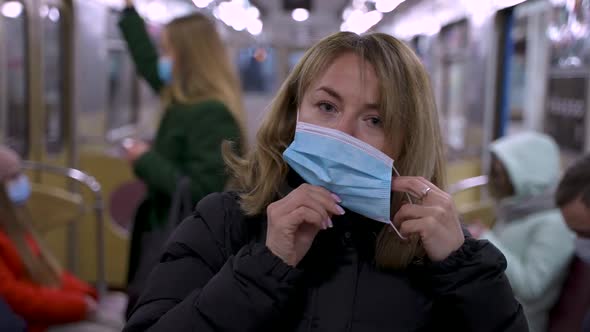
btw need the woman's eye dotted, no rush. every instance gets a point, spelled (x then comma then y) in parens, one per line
(375, 121)
(328, 108)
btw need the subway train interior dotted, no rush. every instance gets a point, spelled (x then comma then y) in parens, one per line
(70, 94)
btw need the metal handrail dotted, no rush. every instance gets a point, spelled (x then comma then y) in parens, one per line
(469, 183)
(93, 185)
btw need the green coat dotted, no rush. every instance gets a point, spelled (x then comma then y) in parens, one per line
(188, 142)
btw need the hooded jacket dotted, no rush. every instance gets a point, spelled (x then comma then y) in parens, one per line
(530, 230)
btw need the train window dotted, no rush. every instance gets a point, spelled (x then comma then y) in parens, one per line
(14, 20)
(456, 121)
(122, 92)
(566, 108)
(54, 77)
(257, 69)
(518, 82)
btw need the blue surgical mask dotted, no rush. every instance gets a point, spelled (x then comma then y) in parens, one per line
(165, 69)
(19, 189)
(352, 169)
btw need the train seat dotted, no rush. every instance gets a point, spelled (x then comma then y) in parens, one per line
(123, 203)
(53, 208)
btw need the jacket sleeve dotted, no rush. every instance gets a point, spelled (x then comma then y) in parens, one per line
(143, 51)
(196, 288)
(472, 293)
(549, 249)
(40, 304)
(202, 134)
(71, 283)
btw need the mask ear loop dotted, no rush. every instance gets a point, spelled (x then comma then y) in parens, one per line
(409, 200)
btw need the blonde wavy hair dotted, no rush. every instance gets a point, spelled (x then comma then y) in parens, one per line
(202, 69)
(407, 103)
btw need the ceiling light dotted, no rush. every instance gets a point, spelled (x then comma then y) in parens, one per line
(255, 27)
(300, 14)
(12, 9)
(253, 13)
(386, 6)
(202, 3)
(54, 14)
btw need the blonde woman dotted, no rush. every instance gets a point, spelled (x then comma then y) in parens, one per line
(201, 96)
(339, 222)
(31, 280)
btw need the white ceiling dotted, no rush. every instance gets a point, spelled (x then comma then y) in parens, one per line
(325, 18)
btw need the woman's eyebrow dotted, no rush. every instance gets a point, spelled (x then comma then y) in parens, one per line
(331, 92)
(336, 95)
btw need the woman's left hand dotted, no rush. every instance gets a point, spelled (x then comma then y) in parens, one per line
(134, 149)
(435, 220)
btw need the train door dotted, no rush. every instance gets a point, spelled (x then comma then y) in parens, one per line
(14, 76)
(523, 68)
(107, 111)
(454, 39)
(58, 147)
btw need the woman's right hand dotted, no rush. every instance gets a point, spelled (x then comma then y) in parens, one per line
(295, 220)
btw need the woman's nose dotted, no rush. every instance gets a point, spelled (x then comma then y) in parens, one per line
(346, 125)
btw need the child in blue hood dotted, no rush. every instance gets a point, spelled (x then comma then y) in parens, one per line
(530, 230)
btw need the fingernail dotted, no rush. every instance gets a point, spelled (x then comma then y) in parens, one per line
(340, 210)
(330, 223)
(336, 198)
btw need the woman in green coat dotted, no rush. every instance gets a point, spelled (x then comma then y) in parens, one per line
(201, 96)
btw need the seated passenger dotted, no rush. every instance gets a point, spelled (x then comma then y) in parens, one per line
(529, 230)
(31, 280)
(308, 241)
(573, 198)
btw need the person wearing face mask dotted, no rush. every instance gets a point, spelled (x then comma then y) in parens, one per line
(529, 229)
(202, 101)
(32, 282)
(338, 221)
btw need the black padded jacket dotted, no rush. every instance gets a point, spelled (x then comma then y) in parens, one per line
(217, 275)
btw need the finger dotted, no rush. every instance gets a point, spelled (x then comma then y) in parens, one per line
(419, 187)
(434, 190)
(324, 192)
(295, 204)
(412, 211)
(324, 197)
(327, 201)
(436, 198)
(304, 214)
(424, 227)
(410, 185)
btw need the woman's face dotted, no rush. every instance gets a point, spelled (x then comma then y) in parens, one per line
(500, 183)
(346, 98)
